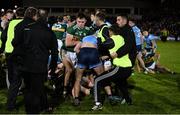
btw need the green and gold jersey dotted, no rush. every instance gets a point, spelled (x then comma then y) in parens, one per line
(148, 59)
(60, 30)
(78, 33)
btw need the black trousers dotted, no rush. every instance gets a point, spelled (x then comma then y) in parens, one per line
(35, 95)
(117, 75)
(15, 81)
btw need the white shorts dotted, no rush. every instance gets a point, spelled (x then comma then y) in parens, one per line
(71, 56)
(60, 44)
(152, 66)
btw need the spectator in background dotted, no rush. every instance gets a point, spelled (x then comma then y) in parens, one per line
(164, 34)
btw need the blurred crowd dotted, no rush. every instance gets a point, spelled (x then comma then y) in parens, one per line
(157, 24)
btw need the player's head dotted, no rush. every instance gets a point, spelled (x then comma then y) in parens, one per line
(100, 11)
(122, 20)
(81, 20)
(100, 19)
(145, 33)
(92, 16)
(60, 19)
(131, 22)
(66, 18)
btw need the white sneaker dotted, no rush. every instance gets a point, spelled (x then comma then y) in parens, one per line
(97, 107)
(123, 101)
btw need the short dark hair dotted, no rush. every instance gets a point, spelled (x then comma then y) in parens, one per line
(92, 13)
(100, 11)
(20, 12)
(125, 16)
(31, 12)
(65, 15)
(132, 19)
(101, 16)
(72, 18)
(115, 29)
(43, 15)
(81, 15)
(60, 18)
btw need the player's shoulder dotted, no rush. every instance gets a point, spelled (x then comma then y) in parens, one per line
(31, 25)
(136, 28)
(74, 27)
(71, 27)
(87, 28)
(64, 25)
(151, 36)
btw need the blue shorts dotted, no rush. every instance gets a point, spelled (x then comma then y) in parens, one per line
(88, 58)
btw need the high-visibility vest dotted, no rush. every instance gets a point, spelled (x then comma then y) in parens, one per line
(100, 34)
(10, 35)
(124, 61)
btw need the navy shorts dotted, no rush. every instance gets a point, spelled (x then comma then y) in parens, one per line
(139, 48)
(88, 58)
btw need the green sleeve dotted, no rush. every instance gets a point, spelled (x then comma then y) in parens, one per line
(70, 30)
(88, 31)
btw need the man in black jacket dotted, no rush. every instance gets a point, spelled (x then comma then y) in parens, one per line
(130, 43)
(37, 44)
(30, 16)
(13, 59)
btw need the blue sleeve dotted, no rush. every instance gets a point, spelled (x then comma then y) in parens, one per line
(151, 37)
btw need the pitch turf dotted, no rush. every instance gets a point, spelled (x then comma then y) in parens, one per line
(152, 94)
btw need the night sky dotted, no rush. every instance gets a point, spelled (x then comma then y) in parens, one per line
(11, 3)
